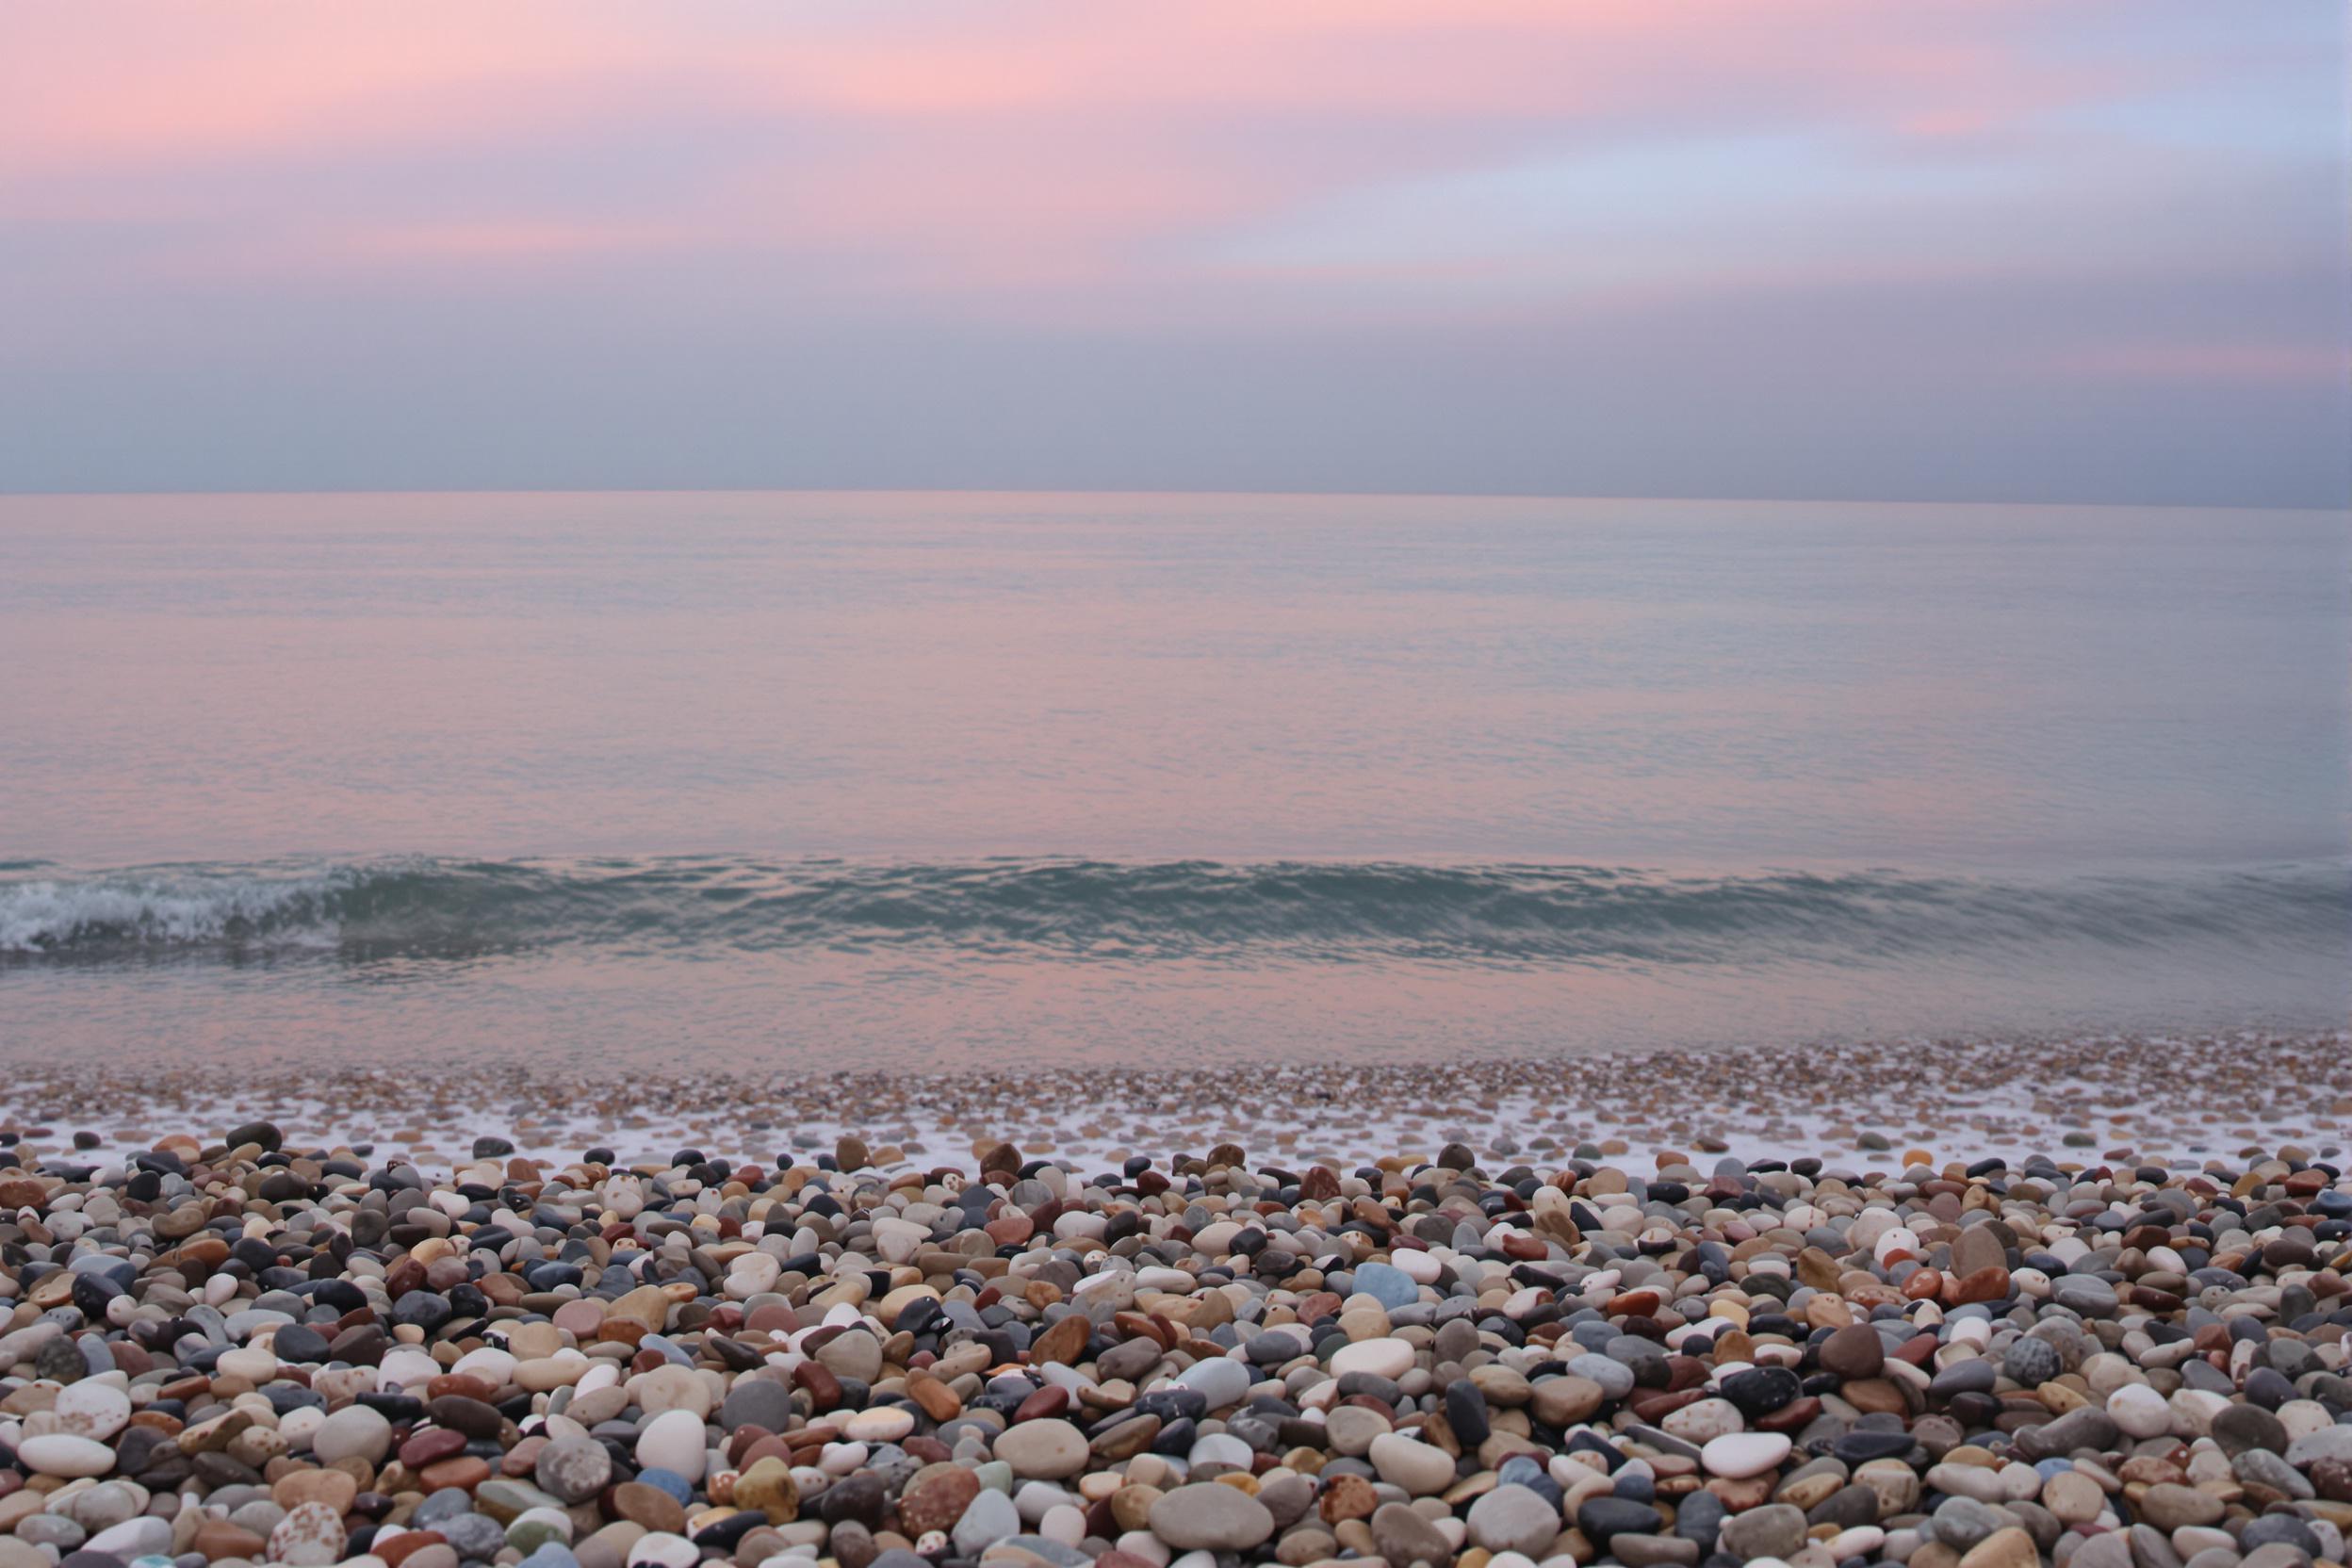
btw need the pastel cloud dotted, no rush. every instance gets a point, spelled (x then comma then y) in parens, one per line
(1129, 207)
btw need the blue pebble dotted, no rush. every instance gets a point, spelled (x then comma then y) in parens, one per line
(1387, 1284)
(670, 1481)
(552, 1554)
(1517, 1471)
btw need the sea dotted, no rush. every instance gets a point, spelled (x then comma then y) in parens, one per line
(796, 782)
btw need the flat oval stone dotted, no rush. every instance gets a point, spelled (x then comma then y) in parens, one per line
(1042, 1450)
(1211, 1517)
(883, 1424)
(1420, 1468)
(65, 1454)
(1739, 1455)
(1381, 1358)
(92, 1408)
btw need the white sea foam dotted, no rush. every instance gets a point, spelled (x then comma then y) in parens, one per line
(51, 915)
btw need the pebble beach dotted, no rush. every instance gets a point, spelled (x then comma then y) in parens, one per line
(1224, 786)
(1985, 1305)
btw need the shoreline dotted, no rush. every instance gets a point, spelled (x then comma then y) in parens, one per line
(2144, 1096)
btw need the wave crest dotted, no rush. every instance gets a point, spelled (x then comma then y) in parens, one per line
(1312, 911)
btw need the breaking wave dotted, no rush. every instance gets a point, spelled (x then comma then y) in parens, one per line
(1273, 911)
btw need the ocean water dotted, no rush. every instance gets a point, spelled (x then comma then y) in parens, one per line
(932, 782)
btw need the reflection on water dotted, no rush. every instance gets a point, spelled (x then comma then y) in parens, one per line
(1359, 773)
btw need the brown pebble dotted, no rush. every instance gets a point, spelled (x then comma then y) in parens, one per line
(650, 1506)
(397, 1550)
(465, 1472)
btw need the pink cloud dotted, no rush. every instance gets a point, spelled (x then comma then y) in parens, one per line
(1087, 155)
(113, 84)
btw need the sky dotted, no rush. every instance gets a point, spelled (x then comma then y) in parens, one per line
(1983, 249)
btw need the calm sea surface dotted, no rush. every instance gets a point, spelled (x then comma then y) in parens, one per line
(933, 781)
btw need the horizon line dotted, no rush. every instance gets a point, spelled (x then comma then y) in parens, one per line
(2343, 506)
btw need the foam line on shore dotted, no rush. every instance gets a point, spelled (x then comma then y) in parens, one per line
(2172, 1098)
